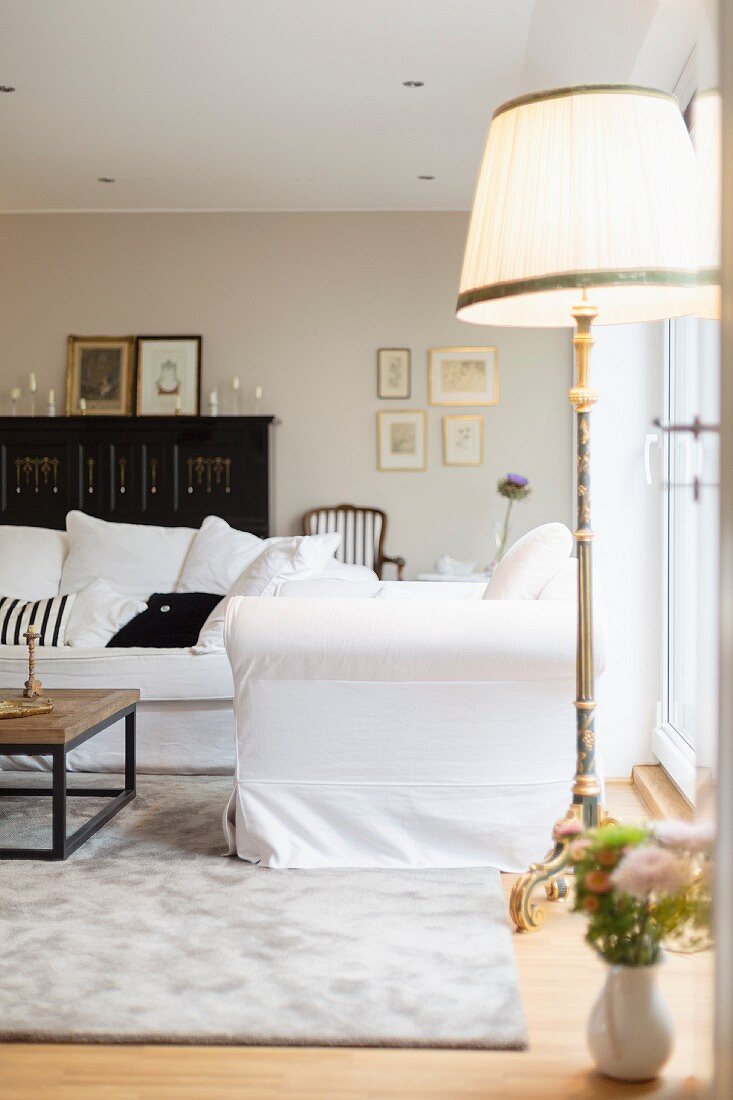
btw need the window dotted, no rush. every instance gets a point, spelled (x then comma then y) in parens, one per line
(686, 732)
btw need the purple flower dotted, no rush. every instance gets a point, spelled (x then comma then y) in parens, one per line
(517, 479)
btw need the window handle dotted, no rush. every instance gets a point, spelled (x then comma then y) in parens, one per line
(696, 428)
(651, 440)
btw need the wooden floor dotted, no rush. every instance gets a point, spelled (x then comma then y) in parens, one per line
(559, 978)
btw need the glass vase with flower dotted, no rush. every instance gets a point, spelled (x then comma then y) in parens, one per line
(512, 488)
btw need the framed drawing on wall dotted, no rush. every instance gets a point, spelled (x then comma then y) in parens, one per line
(402, 440)
(393, 373)
(464, 376)
(99, 373)
(463, 440)
(168, 375)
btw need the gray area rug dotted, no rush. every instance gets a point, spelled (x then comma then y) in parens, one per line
(148, 933)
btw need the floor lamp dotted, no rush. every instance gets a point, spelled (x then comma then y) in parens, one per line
(583, 212)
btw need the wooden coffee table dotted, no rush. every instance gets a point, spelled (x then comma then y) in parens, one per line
(77, 716)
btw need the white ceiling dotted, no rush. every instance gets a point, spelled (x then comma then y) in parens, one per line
(292, 104)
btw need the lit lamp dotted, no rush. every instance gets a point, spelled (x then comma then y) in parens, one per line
(584, 209)
(706, 129)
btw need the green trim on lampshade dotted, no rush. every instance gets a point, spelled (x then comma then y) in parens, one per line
(575, 280)
(583, 89)
(709, 276)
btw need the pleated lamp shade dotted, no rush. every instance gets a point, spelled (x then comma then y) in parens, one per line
(590, 187)
(706, 137)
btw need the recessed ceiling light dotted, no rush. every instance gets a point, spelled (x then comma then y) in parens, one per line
(426, 177)
(6, 88)
(105, 179)
(413, 83)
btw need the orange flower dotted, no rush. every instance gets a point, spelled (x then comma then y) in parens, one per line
(598, 881)
(607, 857)
(591, 904)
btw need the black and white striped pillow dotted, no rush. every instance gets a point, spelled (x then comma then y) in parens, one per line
(49, 617)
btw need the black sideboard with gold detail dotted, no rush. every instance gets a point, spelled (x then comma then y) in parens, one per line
(169, 470)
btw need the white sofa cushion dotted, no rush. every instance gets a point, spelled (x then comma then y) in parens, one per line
(531, 563)
(302, 556)
(159, 674)
(218, 555)
(31, 561)
(98, 613)
(135, 559)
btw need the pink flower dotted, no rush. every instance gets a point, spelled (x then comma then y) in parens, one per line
(578, 848)
(598, 881)
(685, 836)
(567, 827)
(650, 870)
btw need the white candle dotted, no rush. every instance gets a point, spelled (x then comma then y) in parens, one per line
(214, 397)
(82, 404)
(258, 393)
(33, 381)
(235, 383)
(52, 397)
(15, 394)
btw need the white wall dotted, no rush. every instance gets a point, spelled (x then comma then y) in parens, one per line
(299, 303)
(627, 371)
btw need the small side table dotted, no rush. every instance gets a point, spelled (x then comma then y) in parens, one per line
(77, 716)
(474, 578)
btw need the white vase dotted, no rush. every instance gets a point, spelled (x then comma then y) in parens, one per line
(630, 1031)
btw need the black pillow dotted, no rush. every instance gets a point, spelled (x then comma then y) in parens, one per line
(173, 620)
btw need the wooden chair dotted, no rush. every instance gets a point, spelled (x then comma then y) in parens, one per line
(362, 533)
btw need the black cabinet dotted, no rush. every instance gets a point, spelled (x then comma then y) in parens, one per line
(168, 470)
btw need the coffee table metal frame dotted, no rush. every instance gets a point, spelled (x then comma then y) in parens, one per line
(61, 844)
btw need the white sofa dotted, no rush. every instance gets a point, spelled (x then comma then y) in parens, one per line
(185, 722)
(413, 732)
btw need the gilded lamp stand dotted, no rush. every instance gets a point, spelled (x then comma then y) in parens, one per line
(586, 790)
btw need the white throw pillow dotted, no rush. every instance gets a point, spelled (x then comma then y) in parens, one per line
(531, 563)
(31, 561)
(134, 558)
(218, 555)
(98, 613)
(301, 557)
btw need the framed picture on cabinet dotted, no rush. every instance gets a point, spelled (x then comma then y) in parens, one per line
(463, 440)
(168, 375)
(393, 374)
(402, 439)
(99, 373)
(464, 376)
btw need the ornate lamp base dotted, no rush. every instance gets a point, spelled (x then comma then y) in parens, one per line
(586, 810)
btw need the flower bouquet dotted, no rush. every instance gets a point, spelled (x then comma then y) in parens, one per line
(512, 487)
(640, 886)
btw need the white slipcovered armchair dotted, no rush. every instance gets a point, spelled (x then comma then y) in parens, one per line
(410, 732)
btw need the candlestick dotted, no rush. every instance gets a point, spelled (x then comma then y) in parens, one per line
(214, 403)
(32, 688)
(235, 396)
(14, 399)
(83, 406)
(33, 384)
(51, 404)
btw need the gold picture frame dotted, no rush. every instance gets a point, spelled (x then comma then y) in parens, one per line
(402, 440)
(463, 440)
(464, 376)
(99, 370)
(394, 374)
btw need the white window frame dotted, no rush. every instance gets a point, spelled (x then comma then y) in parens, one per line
(673, 752)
